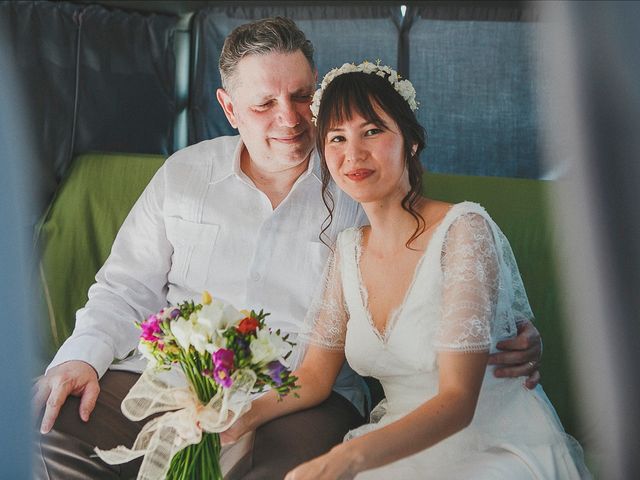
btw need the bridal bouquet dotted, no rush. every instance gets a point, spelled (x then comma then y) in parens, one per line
(226, 355)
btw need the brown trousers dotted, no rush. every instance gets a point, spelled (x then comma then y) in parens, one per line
(66, 453)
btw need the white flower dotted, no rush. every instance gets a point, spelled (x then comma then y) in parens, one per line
(188, 334)
(216, 317)
(199, 338)
(268, 347)
(182, 329)
(368, 67)
(203, 329)
(147, 352)
(215, 344)
(403, 87)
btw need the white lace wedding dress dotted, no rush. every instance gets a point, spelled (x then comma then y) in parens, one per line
(466, 295)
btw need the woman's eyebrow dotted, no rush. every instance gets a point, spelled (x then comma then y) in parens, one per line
(362, 125)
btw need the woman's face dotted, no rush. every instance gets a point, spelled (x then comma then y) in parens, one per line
(366, 160)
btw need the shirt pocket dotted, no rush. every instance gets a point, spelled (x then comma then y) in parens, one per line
(193, 245)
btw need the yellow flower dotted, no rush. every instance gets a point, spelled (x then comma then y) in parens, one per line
(206, 298)
(171, 350)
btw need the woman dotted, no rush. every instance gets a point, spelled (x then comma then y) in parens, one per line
(418, 300)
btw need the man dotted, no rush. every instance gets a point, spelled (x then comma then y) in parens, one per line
(239, 216)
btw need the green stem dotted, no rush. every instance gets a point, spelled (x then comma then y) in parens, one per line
(200, 461)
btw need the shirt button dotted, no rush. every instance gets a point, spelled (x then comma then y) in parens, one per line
(255, 276)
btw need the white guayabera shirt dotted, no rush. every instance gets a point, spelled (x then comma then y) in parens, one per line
(201, 224)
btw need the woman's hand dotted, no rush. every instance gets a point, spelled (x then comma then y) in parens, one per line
(237, 430)
(338, 464)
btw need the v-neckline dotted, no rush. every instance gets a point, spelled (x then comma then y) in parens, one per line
(394, 314)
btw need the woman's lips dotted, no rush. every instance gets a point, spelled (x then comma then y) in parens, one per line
(359, 174)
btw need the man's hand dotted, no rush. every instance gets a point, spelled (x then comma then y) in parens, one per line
(75, 378)
(520, 356)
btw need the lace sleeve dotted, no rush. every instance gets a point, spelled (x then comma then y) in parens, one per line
(517, 299)
(325, 324)
(470, 285)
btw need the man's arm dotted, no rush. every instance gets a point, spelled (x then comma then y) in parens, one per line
(520, 356)
(130, 285)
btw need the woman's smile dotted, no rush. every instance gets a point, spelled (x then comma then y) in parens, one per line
(359, 174)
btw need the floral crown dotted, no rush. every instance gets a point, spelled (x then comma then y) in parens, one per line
(402, 86)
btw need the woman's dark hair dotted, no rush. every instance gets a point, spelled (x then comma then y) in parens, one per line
(361, 93)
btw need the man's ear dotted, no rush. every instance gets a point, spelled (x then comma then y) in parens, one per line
(225, 101)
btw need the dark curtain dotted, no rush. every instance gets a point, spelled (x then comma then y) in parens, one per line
(42, 37)
(94, 78)
(126, 88)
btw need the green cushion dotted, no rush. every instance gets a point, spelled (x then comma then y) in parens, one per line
(77, 232)
(520, 208)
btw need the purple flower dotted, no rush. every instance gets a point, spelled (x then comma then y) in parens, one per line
(223, 358)
(151, 329)
(223, 363)
(243, 345)
(222, 377)
(275, 370)
(174, 313)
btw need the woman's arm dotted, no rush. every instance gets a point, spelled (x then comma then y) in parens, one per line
(324, 334)
(448, 412)
(316, 377)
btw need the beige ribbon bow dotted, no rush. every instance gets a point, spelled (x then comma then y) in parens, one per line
(161, 438)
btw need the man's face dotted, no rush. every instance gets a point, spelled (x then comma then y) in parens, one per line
(269, 105)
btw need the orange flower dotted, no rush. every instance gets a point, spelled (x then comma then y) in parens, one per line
(247, 325)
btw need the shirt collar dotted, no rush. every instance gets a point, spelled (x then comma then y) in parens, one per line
(226, 169)
(223, 168)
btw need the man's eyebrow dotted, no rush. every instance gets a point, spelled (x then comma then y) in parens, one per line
(261, 98)
(308, 90)
(265, 97)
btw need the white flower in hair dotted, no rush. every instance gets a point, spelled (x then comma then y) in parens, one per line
(403, 87)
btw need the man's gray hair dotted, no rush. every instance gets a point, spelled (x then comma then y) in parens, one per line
(269, 35)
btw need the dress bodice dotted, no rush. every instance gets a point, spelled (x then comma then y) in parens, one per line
(466, 295)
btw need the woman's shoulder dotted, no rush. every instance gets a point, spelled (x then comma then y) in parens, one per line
(466, 213)
(350, 236)
(465, 219)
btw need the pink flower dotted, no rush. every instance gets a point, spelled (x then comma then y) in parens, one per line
(151, 331)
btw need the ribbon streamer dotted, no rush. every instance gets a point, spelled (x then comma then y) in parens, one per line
(187, 418)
